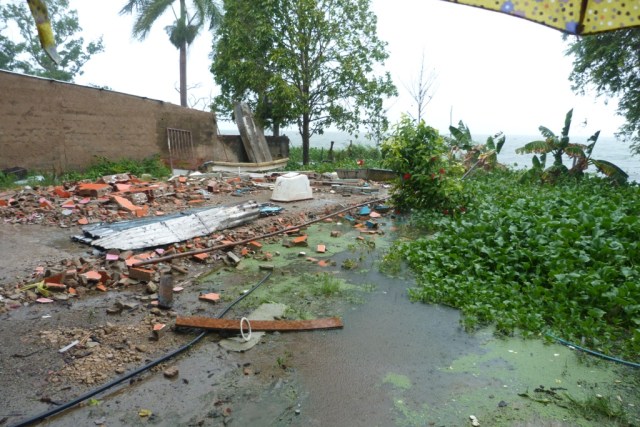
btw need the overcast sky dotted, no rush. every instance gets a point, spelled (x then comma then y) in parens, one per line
(496, 73)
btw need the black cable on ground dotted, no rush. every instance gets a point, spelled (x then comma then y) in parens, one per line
(595, 353)
(132, 374)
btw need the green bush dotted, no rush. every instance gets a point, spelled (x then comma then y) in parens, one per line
(428, 177)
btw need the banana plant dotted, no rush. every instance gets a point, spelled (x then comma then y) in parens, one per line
(480, 155)
(558, 146)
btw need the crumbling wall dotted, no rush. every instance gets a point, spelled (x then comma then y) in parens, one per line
(229, 148)
(52, 126)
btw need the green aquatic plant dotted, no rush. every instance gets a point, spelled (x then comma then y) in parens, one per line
(563, 259)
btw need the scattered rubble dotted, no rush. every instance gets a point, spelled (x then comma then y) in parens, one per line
(133, 323)
(123, 197)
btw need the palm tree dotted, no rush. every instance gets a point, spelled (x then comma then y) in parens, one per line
(188, 23)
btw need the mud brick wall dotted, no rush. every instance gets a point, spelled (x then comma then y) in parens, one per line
(52, 126)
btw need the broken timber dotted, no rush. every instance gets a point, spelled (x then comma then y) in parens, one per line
(260, 325)
(151, 232)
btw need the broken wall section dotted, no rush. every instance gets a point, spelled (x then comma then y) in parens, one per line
(230, 148)
(52, 126)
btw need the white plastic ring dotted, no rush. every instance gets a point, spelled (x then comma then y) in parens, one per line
(245, 337)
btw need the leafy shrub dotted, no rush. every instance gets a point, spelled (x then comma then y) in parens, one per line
(563, 259)
(429, 178)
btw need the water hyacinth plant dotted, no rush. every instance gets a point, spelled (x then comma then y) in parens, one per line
(563, 259)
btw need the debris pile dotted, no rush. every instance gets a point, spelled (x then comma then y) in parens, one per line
(123, 198)
(101, 352)
(117, 197)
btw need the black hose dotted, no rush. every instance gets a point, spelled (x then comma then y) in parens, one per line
(131, 374)
(595, 353)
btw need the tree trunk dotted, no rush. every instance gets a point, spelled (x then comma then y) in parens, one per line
(183, 74)
(305, 138)
(183, 56)
(276, 129)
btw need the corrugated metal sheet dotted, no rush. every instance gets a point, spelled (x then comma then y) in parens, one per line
(159, 231)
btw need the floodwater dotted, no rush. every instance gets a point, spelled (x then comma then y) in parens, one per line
(399, 363)
(395, 363)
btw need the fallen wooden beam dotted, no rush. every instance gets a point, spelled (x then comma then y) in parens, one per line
(259, 325)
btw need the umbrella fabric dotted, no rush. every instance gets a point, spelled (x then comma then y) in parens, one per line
(570, 16)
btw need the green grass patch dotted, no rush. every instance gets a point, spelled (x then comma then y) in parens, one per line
(320, 160)
(101, 166)
(563, 259)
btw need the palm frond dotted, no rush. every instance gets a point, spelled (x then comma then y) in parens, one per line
(536, 162)
(131, 6)
(592, 140)
(567, 125)
(148, 14)
(533, 147)
(547, 133)
(610, 170)
(575, 151)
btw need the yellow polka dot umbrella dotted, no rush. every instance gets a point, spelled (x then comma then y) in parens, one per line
(43, 24)
(580, 17)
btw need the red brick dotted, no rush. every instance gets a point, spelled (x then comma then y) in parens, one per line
(92, 275)
(55, 286)
(142, 211)
(255, 245)
(213, 297)
(201, 257)
(44, 203)
(125, 203)
(69, 204)
(300, 241)
(93, 190)
(56, 278)
(321, 249)
(61, 192)
(141, 274)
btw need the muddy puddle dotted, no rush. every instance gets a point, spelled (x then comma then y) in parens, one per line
(395, 363)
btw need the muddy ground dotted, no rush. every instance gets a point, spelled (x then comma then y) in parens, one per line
(114, 329)
(395, 363)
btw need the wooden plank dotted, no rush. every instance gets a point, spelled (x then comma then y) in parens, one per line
(259, 325)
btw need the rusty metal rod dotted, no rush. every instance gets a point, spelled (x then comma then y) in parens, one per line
(243, 242)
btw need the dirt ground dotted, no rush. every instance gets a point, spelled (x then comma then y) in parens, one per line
(112, 328)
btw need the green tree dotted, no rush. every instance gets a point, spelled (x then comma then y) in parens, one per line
(242, 68)
(309, 62)
(186, 27)
(24, 54)
(610, 63)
